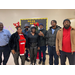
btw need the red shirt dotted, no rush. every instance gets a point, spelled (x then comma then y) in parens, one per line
(66, 41)
(22, 42)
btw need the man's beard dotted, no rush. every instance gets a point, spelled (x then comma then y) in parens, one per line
(53, 26)
(66, 27)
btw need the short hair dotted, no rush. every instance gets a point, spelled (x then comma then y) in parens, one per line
(1, 23)
(54, 21)
(18, 27)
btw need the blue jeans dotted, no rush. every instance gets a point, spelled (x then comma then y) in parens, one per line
(42, 49)
(52, 52)
(6, 53)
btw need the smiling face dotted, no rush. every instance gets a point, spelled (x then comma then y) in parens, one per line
(19, 30)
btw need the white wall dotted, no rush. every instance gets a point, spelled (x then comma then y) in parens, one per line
(10, 16)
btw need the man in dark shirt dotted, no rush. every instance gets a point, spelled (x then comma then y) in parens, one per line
(42, 42)
(50, 41)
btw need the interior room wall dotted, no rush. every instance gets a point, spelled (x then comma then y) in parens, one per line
(10, 16)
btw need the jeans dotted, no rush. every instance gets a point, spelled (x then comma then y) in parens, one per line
(42, 49)
(16, 57)
(52, 52)
(6, 53)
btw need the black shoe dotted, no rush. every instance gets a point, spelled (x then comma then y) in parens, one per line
(39, 62)
(27, 59)
(43, 63)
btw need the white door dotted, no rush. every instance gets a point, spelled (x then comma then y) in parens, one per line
(72, 22)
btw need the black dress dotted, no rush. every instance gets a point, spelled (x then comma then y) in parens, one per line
(33, 44)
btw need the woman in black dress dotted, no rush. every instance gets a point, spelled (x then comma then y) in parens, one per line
(33, 43)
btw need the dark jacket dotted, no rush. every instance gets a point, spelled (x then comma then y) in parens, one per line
(14, 42)
(42, 40)
(33, 39)
(51, 38)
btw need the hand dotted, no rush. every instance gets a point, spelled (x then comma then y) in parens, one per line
(38, 48)
(58, 53)
(47, 45)
(41, 34)
(27, 48)
(13, 51)
(24, 50)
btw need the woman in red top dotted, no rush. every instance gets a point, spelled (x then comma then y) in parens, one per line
(17, 45)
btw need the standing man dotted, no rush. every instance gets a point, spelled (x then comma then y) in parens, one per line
(65, 43)
(26, 31)
(50, 41)
(42, 42)
(4, 48)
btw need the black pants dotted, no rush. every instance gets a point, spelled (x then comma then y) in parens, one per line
(33, 54)
(70, 56)
(6, 53)
(16, 57)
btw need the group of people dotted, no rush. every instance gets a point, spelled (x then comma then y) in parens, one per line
(60, 43)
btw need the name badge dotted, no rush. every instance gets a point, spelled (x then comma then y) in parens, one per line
(22, 43)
